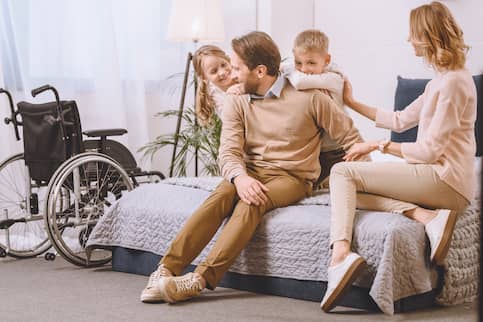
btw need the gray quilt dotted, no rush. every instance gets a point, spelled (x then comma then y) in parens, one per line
(293, 242)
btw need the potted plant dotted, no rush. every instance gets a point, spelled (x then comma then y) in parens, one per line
(192, 136)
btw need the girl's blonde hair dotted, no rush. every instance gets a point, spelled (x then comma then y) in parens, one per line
(433, 27)
(205, 105)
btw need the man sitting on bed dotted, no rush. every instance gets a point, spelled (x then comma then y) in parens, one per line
(270, 143)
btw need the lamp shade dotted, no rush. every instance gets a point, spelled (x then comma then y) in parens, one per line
(196, 20)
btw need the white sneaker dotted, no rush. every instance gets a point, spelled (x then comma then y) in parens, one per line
(340, 279)
(151, 293)
(440, 230)
(180, 288)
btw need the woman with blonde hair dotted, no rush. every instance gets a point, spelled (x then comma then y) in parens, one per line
(434, 184)
(213, 69)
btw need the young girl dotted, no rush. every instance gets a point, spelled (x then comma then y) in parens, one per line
(437, 172)
(213, 69)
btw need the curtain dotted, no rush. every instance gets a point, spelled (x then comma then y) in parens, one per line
(110, 56)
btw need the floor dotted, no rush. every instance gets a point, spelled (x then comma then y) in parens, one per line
(37, 290)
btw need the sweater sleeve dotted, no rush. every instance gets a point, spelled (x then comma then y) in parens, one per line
(330, 81)
(232, 140)
(400, 121)
(446, 118)
(335, 122)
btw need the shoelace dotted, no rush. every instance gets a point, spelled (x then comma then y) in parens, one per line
(187, 284)
(153, 279)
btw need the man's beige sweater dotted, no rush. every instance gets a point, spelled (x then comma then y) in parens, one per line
(281, 133)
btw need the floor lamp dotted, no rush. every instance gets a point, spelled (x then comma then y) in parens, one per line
(194, 21)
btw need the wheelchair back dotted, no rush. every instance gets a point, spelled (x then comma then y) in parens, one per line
(48, 141)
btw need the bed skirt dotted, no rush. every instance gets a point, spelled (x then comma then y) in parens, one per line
(144, 263)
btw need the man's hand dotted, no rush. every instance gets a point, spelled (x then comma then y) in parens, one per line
(237, 89)
(359, 150)
(250, 190)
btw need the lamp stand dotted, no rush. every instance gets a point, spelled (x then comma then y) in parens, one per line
(189, 58)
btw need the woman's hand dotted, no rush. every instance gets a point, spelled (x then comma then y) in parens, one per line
(236, 89)
(347, 94)
(366, 110)
(359, 150)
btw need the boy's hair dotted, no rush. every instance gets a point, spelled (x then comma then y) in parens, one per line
(312, 39)
(433, 27)
(205, 104)
(258, 48)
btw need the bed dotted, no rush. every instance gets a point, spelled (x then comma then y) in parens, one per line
(288, 254)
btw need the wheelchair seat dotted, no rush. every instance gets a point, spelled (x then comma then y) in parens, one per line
(105, 132)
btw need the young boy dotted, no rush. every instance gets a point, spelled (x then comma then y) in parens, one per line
(312, 69)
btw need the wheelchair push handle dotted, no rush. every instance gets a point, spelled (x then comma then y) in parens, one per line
(13, 118)
(41, 89)
(60, 116)
(38, 90)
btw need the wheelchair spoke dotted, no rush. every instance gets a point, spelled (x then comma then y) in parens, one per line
(91, 183)
(12, 179)
(104, 178)
(27, 237)
(6, 201)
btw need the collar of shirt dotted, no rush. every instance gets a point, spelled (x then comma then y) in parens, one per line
(273, 91)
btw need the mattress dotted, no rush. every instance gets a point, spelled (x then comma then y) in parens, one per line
(293, 242)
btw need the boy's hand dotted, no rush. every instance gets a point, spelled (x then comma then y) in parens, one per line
(237, 89)
(250, 190)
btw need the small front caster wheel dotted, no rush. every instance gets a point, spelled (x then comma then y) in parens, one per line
(49, 256)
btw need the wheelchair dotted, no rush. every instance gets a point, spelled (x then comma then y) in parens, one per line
(54, 192)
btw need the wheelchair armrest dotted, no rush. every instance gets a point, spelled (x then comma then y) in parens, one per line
(106, 132)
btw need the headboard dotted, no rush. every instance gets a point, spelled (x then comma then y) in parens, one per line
(409, 89)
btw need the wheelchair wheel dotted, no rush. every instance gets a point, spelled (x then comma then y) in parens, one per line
(22, 229)
(79, 193)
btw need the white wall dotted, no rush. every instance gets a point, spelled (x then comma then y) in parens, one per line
(368, 41)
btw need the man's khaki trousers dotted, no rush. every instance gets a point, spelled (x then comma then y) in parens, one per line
(199, 229)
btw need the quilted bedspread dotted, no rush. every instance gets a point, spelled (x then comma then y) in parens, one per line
(293, 242)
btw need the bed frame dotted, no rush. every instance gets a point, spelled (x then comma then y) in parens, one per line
(144, 263)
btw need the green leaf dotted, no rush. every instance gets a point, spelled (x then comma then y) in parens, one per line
(191, 136)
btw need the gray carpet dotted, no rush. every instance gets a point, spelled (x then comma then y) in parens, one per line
(36, 290)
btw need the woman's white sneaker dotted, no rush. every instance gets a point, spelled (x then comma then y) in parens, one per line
(440, 230)
(340, 278)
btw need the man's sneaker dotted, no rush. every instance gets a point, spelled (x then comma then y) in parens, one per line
(151, 293)
(440, 230)
(175, 289)
(340, 278)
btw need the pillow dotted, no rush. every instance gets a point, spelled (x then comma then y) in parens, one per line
(478, 165)
(408, 90)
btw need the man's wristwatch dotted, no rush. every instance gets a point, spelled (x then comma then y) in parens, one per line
(382, 145)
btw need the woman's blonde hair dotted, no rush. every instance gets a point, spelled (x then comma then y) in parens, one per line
(205, 104)
(433, 27)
